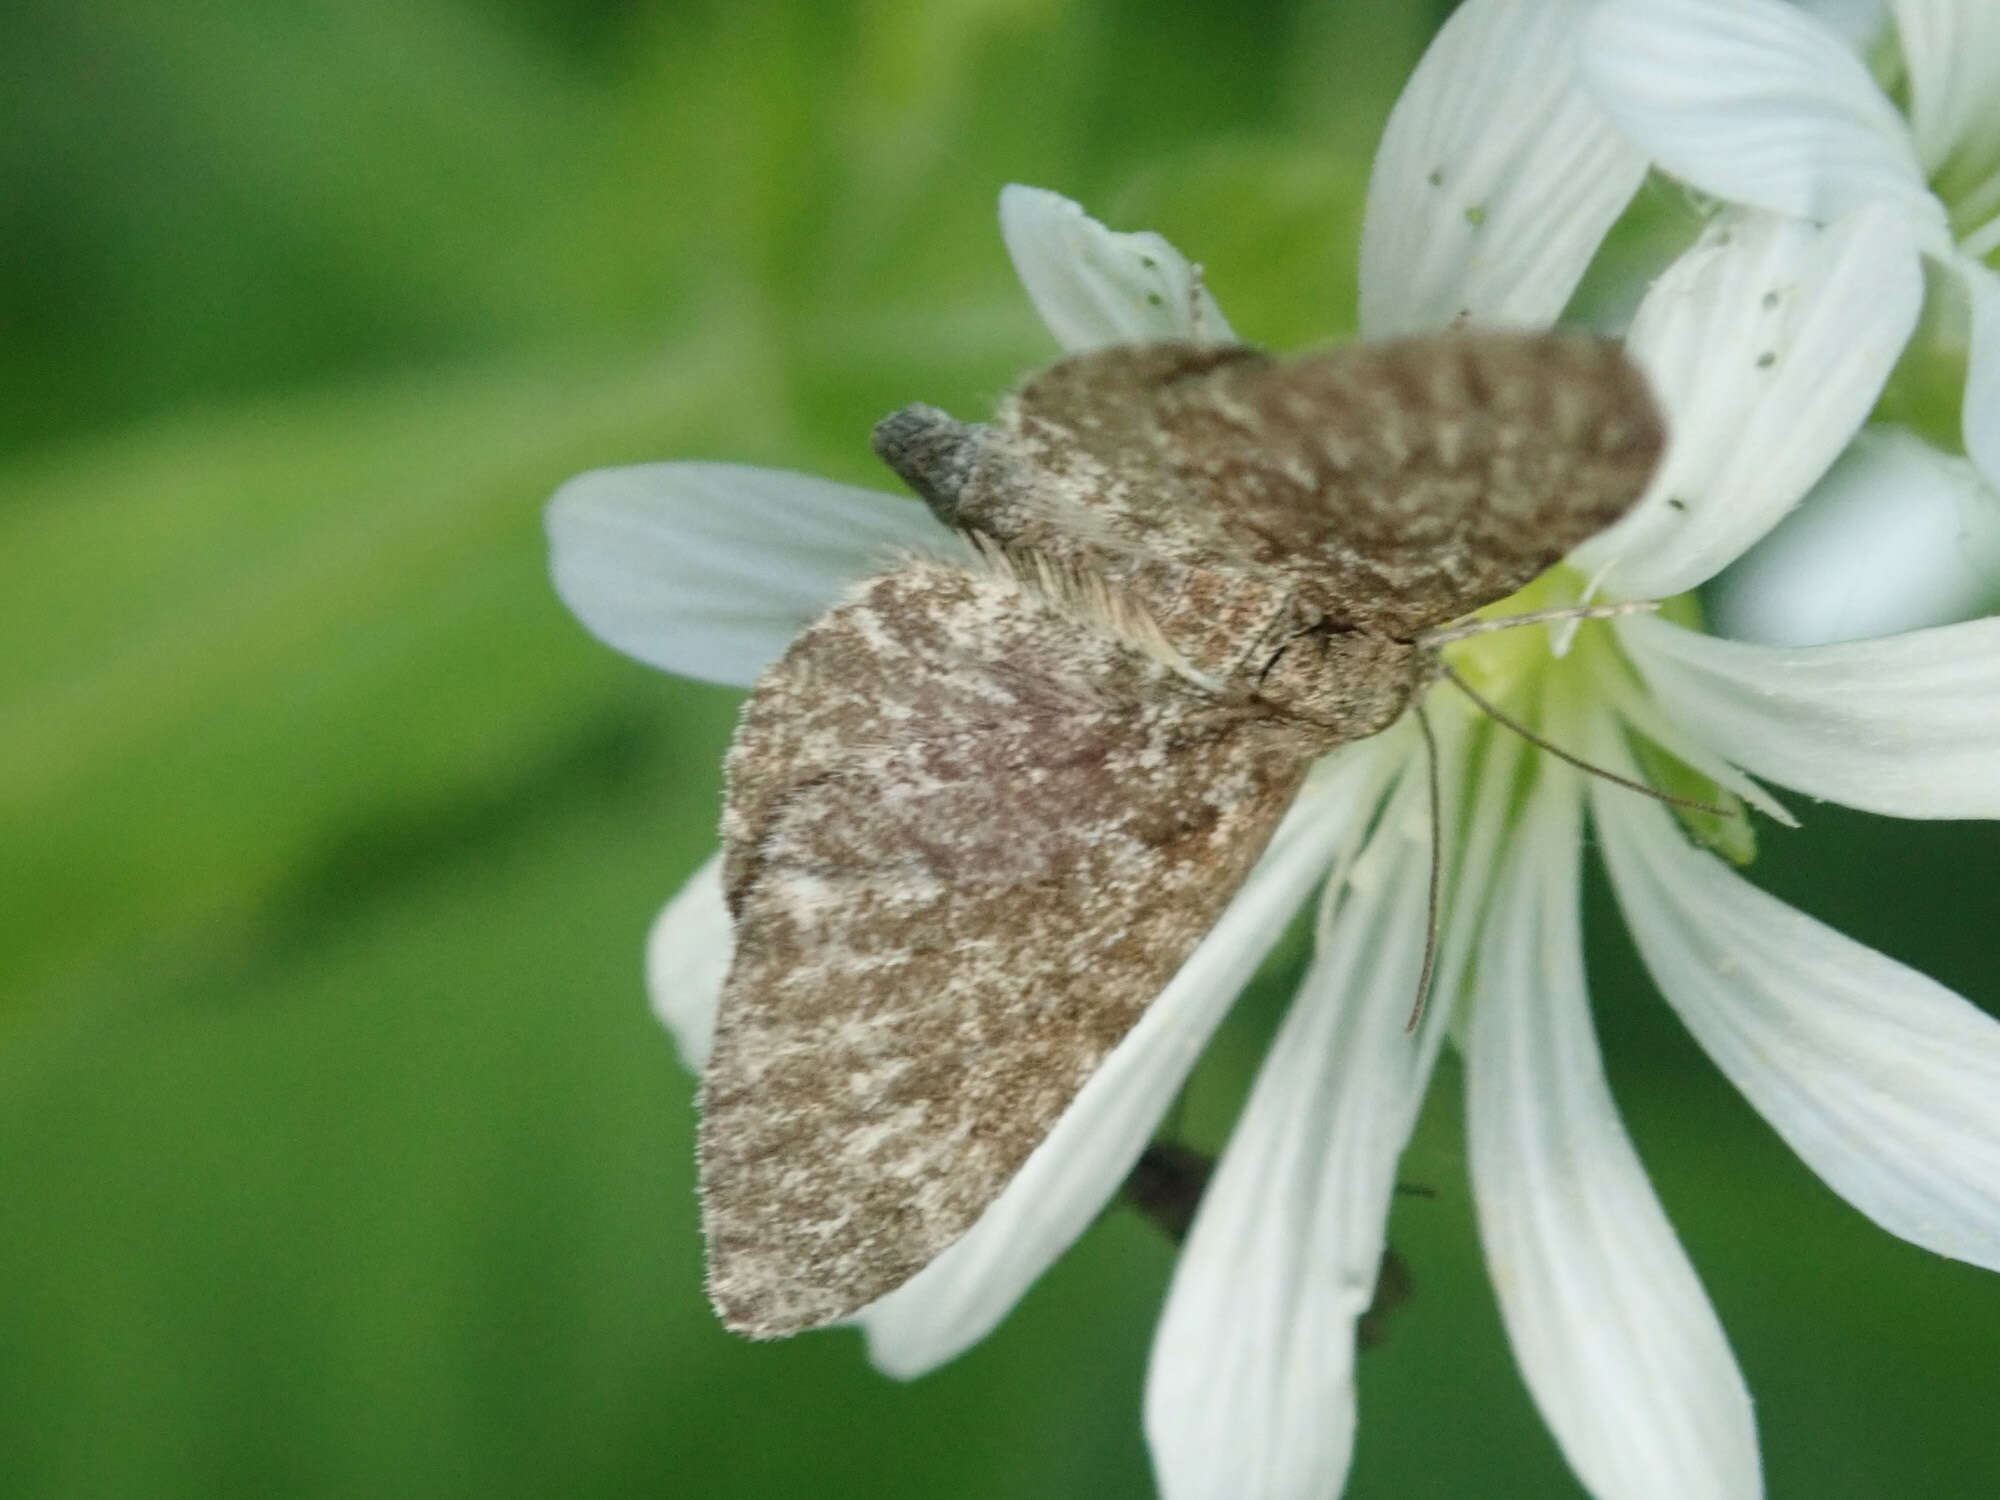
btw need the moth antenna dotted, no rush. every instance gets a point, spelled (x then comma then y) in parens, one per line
(1444, 635)
(1494, 713)
(1437, 871)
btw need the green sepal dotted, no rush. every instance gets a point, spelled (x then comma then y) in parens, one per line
(1733, 837)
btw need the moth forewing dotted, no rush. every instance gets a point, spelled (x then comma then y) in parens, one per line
(1398, 484)
(975, 838)
(978, 817)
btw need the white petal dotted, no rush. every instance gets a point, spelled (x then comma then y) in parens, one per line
(1908, 725)
(1766, 344)
(1632, 701)
(1250, 1393)
(1753, 101)
(687, 958)
(1885, 1082)
(709, 570)
(1951, 49)
(1496, 178)
(1898, 536)
(956, 1300)
(1467, 738)
(1094, 286)
(1610, 1326)
(1980, 415)
(1859, 23)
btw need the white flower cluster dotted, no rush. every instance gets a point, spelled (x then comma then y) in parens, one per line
(1520, 139)
(1773, 112)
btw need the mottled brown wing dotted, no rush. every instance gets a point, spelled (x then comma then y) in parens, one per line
(967, 842)
(1401, 483)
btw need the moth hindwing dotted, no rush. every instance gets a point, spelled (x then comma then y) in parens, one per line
(978, 816)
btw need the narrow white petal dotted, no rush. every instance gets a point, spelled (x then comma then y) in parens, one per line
(1094, 286)
(1633, 703)
(1753, 101)
(956, 1300)
(1611, 1328)
(1980, 415)
(1497, 176)
(709, 570)
(1951, 49)
(687, 958)
(1908, 725)
(1766, 344)
(1885, 1082)
(1251, 1389)
(1484, 816)
(1898, 536)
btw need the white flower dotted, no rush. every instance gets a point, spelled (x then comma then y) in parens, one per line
(1767, 345)
(1897, 536)
(1760, 103)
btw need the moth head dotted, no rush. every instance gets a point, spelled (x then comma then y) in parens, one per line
(1349, 683)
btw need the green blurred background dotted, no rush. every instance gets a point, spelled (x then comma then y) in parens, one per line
(339, 1154)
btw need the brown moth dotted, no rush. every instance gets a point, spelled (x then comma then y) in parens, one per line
(979, 815)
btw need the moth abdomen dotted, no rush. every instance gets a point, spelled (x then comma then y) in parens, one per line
(932, 452)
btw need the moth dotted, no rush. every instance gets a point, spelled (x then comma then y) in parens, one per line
(981, 811)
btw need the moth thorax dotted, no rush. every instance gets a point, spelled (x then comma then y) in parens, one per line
(1349, 683)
